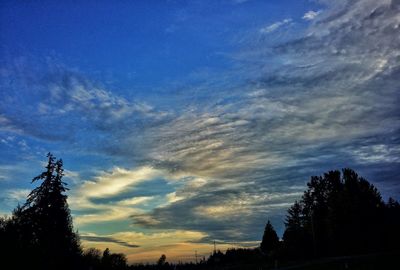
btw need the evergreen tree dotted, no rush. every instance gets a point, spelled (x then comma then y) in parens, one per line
(297, 243)
(338, 214)
(317, 202)
(356, 216)
(45, 221)
(270, 240)
(392, 219)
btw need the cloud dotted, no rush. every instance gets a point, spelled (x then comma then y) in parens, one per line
(376, 153)
(203, 204)
(7, 171)
(58, 94)
(120, 193)
(117, 181)
(9, 198)
(310, 15)
(228, 215)
(106, 239)
(273, 27)
(103, 214)
(19, 194)
(110, 185)
(6, 125)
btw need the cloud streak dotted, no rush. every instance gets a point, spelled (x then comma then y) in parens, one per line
(275, 26)
(311, 15)
(106, 239)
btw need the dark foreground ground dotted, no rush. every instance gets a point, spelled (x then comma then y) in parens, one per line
(378, 261)
(364, 262)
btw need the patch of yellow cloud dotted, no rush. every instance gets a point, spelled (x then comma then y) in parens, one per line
(107, 213)
(112, 183)
(172, 197)
(118, 181)
(135, 200)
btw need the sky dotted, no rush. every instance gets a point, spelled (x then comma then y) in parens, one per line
(181, 123)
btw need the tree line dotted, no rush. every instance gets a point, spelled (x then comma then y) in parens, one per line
(339, 214)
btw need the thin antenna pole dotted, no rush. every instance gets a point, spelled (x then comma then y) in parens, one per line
(195, 254)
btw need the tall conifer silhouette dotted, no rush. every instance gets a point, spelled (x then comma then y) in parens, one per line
(47, 210)
(270, 240)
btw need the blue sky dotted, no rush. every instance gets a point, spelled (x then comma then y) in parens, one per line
(184, 122)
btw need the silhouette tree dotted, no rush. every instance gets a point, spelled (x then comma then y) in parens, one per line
(356, 216)
(270, 240)
(316, 203)
(238, 256)
(115, 261)
(392, 220)
(338, 214)
(106, 260)
(48, 211)
(118, 261)
(161, 261)
(91, 258)
(42, 229)
(295, 239)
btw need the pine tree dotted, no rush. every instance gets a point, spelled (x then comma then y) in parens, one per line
(270, 240)
(338, 214)
(47, 210)
(297, 243)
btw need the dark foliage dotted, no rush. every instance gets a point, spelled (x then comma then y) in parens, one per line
(94, 259)
(295, 236)
(41, 230)
(162, 260)
(270, 240)
(340, 214)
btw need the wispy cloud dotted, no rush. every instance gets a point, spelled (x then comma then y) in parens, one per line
(106, 239)
(115, 195)
(275, 26)
(376, 153)
(18, 195)
(117, 181)
(110, 185)
(9, 198)
(310, 15)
